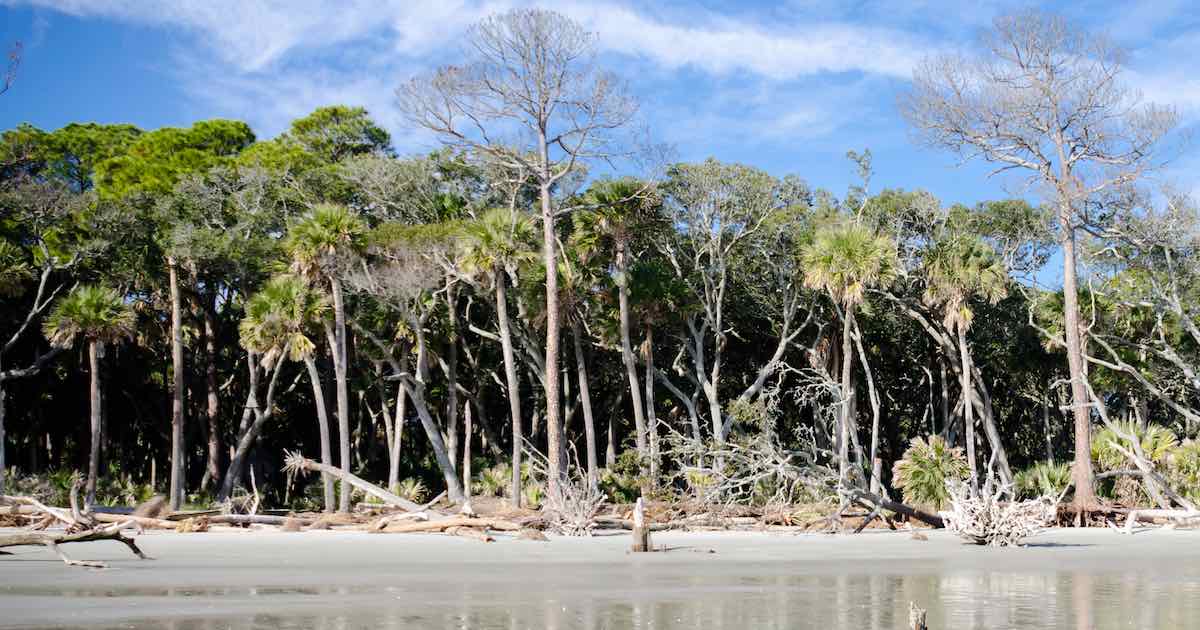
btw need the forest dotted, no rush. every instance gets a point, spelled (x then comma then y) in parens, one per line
(551, 300)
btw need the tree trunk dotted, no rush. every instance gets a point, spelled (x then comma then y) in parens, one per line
(968, 408)
(651, 418)
(445, 464)
(1085, 493)
(514, 388)
(398, 436)
(176, 388)
(343, 393)
(323, 425)
(847, 393)
(635, 394)
(585, 395)
(554, 429)
(3, 438)
(466, 449)
(212, 403)
(452, 376)
(95, 353)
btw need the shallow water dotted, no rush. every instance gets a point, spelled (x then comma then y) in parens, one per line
(1075, 580)
(967, 600)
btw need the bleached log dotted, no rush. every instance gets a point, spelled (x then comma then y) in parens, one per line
(54, 540)
(453, 521)
(1182, 515)
(296, 463)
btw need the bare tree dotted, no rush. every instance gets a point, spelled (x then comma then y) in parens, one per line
(14, 63)
(1043, 98)
(531, 98)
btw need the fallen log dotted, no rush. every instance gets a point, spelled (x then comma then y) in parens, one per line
(453, 521)
(899, 508)
(58, 514)
(295, 463)
(471, 532)
(253, 519)
(54, 540)
(140, 521)
(1181, 515)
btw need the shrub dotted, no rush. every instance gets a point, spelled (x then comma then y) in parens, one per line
(493, 481)
(412, 489)
(1183, 470)
(1042, 479)
(924, 470)
(1157, 442)
(533, 494)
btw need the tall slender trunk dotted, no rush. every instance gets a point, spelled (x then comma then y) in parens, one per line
(176, 388)
(212, 403)
(610, 450)
(554, 428)
(454, 489)
(968, 408)
(343, 393)
(398, 436)
(651, 418)
(452, 376)
(1046, 429)
(585, 395)
(847, 394)
(635, 394)
(945, 402)
(95, 353)
(514, 388)
(466, 449)
(323, 425)
(3, 438)
(1085, 493)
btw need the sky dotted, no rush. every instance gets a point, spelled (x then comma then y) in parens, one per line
(788, 87)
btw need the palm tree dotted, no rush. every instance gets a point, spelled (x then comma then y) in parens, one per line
(958, 269)
(619, 211)
(99, 316)
(845, 261)
(278, 324)
(497, 243)
(320, 245)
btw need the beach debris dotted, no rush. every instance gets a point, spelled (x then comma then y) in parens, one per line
(1174, 516)
(641, 533)
(916, 617)
(990, 516)
(155, 507)
(297, 464)
(531, 534)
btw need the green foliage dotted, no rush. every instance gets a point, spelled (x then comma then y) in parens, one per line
(1156, 441)
(623, 483)
(958, 268)
(924, 470)
(493, 481)
(336, 132)
(845, 260)
(1183, 469)
(93, 312)
(324, 238)
(532, 495)
(158, 159)
(282, 319)
(1042, 479)
(412, 489)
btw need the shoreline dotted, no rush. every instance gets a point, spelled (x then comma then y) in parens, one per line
(229, 575)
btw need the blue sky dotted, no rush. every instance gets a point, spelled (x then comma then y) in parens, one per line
(785, 86)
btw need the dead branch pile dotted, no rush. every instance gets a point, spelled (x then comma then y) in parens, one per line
(991, 517)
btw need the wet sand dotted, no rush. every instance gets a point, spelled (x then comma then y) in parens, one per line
(726, 579)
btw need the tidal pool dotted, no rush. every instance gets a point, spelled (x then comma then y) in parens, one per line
(1067, 579)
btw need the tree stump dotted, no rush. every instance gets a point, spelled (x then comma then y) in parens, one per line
(916, 617)
(641, 531)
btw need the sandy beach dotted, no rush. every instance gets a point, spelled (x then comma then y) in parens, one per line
(727, 579)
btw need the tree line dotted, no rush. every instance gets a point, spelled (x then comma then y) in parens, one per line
(196, 300)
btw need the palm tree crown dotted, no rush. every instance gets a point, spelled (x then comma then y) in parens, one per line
(499, 238)
(846, 260)
(321, 237)
(93, 312)
(279, 317)
(958, 269)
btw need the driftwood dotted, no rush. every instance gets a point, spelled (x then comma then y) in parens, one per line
(297, 463)
(470, 532)
(641, 533)
(443, 524)
(1181, 515)
(916, 617)
(932, 520)
(141, 521)
(54, 540)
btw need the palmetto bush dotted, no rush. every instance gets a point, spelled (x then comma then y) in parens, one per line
(924, 470)
(1042, 479)
(1183, 469)
(492, 481)
(1157, 442)
(412, 489)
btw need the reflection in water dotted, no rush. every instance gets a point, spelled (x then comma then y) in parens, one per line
(962, 601)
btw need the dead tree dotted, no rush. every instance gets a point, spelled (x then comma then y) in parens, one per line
(54, 540)
(1044, 99)
(14, 63)
(531, 72)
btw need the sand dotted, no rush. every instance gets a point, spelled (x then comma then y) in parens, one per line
(250, 579)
